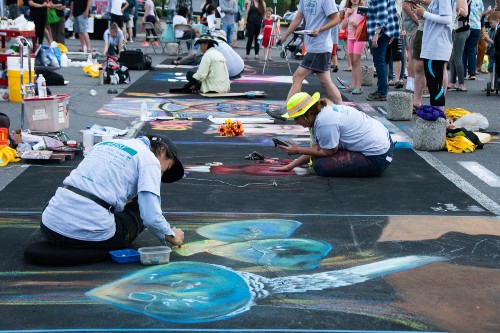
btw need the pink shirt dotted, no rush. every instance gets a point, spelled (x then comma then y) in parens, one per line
(353, 18)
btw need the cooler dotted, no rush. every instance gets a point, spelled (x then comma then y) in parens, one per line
(14, 76)
(48, 114)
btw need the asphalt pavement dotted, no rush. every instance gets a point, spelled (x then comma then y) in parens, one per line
(479, 176)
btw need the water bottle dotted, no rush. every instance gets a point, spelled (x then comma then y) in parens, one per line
(101, 76)
(42, 86)
(144, 111)
(259, 39)
(88, 140)
(64, 60)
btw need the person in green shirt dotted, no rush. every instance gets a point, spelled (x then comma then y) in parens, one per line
(212, 74)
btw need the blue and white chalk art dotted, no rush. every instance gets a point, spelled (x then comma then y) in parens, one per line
(195, 292)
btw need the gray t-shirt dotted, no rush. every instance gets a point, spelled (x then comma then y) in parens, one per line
(437, 42)
(316, 14)
(110, 40)
(130, 168)
(350, 129)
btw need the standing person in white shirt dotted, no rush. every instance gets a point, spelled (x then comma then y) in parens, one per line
(117, 8)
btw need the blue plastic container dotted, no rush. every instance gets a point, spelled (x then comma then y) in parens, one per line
(125, 256)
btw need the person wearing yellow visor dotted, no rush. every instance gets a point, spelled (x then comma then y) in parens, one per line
(345, 142)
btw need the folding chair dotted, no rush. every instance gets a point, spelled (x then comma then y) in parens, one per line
(183, 28)
(149, 25)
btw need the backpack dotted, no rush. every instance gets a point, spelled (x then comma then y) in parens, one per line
(51, 77)
(135, 59)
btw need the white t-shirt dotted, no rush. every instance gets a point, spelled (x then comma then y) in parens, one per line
(437, 42)
(130, 168)
(316, 14)
(178, 19)
(151, 11)
(116, 7)
(234, 62)
(350, 129)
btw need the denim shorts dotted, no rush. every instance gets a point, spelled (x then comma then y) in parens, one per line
(317, 62)
(81, 24)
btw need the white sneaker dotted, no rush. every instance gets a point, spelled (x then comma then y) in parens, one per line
(72, 37)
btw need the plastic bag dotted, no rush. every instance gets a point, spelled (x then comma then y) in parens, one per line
(47, 57)
(456, 113)
(92, 70)
(62, 47)
(57, 51)
(472, 122)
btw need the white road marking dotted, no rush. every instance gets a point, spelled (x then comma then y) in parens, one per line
(482, 173)
(473, 192)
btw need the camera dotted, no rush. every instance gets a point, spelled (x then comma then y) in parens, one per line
(362, 10)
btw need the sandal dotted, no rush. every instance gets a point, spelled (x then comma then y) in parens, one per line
(399, 84)
(472, 77)
(415, 109)
(356, 91)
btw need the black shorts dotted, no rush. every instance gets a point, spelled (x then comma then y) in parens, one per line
(118, 19)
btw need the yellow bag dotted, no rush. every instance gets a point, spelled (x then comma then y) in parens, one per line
(92, 70)
(459, 144)
(62, 47)
(8, 155)
(455, 114)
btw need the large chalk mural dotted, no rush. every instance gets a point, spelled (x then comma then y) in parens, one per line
(193, 292)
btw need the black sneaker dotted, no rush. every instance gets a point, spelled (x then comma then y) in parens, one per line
(376, 96)
(277, 113)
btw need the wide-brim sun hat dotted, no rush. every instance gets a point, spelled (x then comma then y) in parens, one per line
(176, 172)
(206, 39)
(299, 103)
(221, 34)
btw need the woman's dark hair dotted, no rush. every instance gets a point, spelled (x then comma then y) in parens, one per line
(210, 9)
(183, 11)
(316, 108)
(205, 6)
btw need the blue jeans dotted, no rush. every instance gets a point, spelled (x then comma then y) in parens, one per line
(379, 63)
(470, 51)
(229, 29)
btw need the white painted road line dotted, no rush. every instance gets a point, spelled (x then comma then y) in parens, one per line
(482, 173)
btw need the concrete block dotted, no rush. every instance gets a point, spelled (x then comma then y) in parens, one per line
(400, 105)
(367, 73)
(429, 135)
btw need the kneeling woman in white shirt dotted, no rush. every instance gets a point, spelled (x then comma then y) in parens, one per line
(345, 142)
